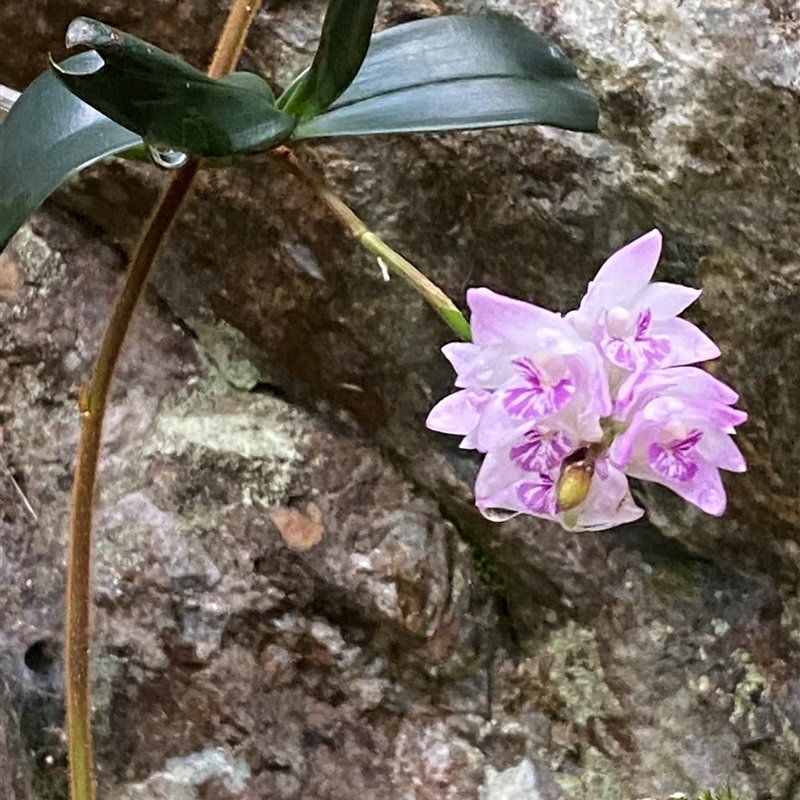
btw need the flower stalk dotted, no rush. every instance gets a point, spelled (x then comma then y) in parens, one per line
(93, 402)
(400, 266)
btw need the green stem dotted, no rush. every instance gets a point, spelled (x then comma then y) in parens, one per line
(430, 292)
(93, 403)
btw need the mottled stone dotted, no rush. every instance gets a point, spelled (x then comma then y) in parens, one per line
(514, 783)
(182, 776)
(274, 371)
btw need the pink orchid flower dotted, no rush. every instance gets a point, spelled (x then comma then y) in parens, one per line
(634, 322)
(566, 408)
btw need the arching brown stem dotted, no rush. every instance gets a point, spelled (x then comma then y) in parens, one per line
(93, 401)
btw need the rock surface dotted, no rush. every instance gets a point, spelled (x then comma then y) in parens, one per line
(294, 597)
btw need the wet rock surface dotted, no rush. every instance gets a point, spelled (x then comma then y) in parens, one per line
(294, 597)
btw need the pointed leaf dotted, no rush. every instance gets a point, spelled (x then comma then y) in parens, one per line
(458, 72)
(342, 46)
(48, 136)
(169, 103)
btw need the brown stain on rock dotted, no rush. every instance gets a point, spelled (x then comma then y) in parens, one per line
(9, 278)
(300, 531)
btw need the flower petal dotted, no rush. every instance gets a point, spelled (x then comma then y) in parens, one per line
(688, 344)
(642, 387)
(618, 282)
(501, 484)
(667, 300)
(477, 367)
(719, 449)
(705, 489)
(462, 355)
(497, 427)
(458, 413)
(496, 319)
(608, 504)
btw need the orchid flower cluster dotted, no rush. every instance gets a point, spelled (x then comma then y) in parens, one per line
(565, 409)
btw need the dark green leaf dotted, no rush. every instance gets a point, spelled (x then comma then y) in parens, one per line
(342, 47)
(48, 136)
(458, 72)
(169, 103)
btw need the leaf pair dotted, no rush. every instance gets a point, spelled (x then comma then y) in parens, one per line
(438, 74)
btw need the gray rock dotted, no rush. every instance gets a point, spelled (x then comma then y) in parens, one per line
(287, 563)
(182, 775)
(514, 783)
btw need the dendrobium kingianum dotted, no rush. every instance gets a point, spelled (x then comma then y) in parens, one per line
(566, 408)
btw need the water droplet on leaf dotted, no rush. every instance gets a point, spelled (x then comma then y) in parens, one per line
(167, 158)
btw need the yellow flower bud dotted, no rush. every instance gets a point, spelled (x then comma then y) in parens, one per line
(574, 484)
